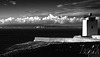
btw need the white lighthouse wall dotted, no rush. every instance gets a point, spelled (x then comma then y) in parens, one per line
(84, 28)
(92, 28)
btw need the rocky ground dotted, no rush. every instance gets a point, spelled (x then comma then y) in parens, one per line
(59, 49)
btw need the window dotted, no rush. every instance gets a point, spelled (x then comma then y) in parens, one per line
(92, 27)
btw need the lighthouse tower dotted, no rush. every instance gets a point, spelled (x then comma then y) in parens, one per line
(89, 26)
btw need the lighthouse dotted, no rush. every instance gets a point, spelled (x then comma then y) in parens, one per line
(89, 26)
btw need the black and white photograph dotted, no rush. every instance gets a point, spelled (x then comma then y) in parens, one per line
(49, 28)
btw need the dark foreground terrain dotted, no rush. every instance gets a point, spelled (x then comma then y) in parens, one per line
(53, 49)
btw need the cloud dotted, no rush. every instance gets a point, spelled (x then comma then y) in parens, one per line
(81, 8)
(5, 4)
(59, 6)
(13, 2)
(88, 4)
(36, 13)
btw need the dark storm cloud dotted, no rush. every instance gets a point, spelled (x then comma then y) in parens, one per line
(45, 7)
(13, 2)
(68, 7)
(36, 13)
(88, 4)
(81, 8)
(7, 2)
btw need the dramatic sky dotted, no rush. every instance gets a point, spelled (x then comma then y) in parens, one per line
(18, 8)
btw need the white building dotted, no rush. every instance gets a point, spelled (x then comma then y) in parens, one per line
(89, 26)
